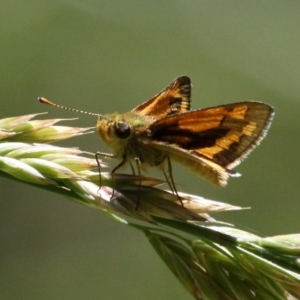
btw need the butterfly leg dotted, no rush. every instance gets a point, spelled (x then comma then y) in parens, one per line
(97, 154)
(138, 162)
(132, 168)
(120, 165)
(170, 179)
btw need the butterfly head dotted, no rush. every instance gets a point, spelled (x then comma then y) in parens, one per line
(118, 130)
(115, 131)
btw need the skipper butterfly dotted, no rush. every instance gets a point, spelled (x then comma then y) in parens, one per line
(210, 141)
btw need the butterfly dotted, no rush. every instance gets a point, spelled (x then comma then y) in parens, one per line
(210, 141)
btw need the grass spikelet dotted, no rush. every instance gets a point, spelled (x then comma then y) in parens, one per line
(211, 259)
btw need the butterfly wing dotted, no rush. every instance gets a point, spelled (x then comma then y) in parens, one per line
(176, 98)
(212, 141)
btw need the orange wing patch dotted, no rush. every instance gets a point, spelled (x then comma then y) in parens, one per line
(174, 99)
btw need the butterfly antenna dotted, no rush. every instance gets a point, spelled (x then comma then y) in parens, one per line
(45, 101)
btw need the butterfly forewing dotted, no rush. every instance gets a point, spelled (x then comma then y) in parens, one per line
(174, 99)
(218, 138)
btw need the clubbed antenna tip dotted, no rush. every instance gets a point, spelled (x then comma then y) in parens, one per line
(46, 101)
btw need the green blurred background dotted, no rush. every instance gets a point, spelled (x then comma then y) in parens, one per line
(106, 56)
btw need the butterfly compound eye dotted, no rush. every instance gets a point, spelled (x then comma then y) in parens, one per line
(122, 130)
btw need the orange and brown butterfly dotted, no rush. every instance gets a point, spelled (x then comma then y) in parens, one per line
(210, 142)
